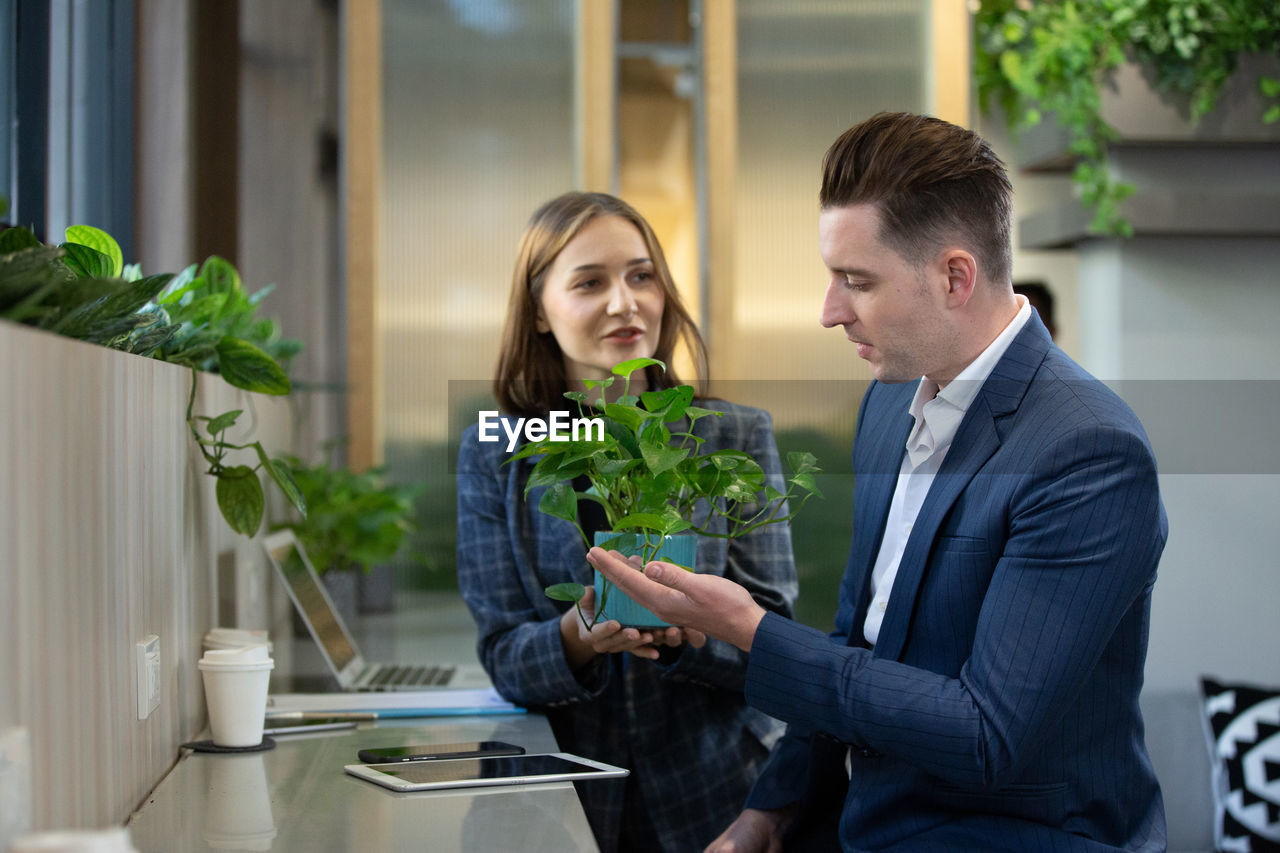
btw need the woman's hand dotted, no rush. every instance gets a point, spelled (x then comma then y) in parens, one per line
(581, 644)
(678, 637)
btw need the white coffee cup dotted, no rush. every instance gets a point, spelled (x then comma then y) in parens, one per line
(235, 690)
(114, 840)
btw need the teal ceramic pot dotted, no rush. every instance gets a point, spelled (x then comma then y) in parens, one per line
(680, 550)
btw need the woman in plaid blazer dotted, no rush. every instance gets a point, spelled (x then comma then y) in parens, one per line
(591, 288)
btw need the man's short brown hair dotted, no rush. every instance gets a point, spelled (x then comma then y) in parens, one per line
(935, 184)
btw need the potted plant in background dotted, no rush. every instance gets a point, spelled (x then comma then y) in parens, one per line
(355, 523)
(648, 473)
(1037, 59)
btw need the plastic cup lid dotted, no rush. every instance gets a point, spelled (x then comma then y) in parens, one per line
(227, 637)
(255, 656)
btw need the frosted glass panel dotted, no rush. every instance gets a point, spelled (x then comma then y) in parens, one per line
(478, 131)
(807, 71)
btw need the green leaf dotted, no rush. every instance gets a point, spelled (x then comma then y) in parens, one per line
(670, 403)
(15, 239)
(566, 591)
(661, 458)
(1269, 86)
(693, 413)
(626, 368)
(630, 417)
(220, 275)
(726, 460)
(113, 310)
(546, 472)
(1272, 115)
(806, 481)
(240, 499)
(179, 286)
(223, 421)
(279, 471)
(245, 366)
(642, 520)
(801, 461)
(87, 262)
(27, 278)
(96, 238)
(560, 501)
(612, 468)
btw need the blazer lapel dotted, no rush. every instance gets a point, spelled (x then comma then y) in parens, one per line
(886, 435)
(977, 439)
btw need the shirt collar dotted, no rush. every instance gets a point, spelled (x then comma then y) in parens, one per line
(962, 390)
(946, 407)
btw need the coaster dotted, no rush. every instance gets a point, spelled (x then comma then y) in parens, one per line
(210, 746)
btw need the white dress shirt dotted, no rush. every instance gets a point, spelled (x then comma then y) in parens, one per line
(938, 413)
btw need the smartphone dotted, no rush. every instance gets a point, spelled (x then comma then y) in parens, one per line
(470, 749)
(295, 726)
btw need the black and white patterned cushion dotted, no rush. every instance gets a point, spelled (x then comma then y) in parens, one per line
(1242, 722)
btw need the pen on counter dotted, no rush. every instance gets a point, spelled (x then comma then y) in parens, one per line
(323, 715)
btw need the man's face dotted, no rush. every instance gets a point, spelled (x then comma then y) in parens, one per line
(888, 307)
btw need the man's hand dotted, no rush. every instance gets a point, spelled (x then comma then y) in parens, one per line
(709, 604)
(754, 831)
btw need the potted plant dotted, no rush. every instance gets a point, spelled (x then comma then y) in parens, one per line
(354, 521)
(647, 471)
(1040, 58)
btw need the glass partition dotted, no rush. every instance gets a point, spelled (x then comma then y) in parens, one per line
(807, 71)
(478, 131)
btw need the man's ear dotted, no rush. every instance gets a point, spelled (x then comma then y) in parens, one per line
(961, 271)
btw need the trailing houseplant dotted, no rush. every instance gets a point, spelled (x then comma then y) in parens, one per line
(201, 317)
(354, 521)
(1037, 58)
(649, 474)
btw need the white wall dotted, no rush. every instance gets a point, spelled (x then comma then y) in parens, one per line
(1189, 324)
(109, 532)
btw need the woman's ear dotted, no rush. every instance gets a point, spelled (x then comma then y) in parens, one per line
(540, 322)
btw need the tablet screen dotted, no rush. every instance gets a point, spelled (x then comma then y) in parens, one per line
(491, 770)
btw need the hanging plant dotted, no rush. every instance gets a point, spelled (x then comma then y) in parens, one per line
(201, 317)
(1040, 58)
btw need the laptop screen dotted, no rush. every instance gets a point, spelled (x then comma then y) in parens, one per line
(312, 600)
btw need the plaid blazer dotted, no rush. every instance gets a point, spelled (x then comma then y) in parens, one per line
(681, 726)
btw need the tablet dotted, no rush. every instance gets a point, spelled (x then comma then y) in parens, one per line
(487, 770)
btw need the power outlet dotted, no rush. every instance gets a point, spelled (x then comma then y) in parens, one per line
(147, 657)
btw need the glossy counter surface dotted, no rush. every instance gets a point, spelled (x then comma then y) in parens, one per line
(297, 797)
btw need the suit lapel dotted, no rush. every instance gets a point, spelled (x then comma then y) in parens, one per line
(977, 439)
(877, 477)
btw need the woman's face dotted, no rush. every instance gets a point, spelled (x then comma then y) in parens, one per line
(602, 299)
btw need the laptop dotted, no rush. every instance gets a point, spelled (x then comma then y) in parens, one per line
(339, 648)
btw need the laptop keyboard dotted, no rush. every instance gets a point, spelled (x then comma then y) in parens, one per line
(393, 676)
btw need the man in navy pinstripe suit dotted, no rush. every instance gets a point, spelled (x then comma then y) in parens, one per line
(980, 690)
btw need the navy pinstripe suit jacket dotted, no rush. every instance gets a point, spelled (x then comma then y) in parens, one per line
(999, 707)
(683, 728)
